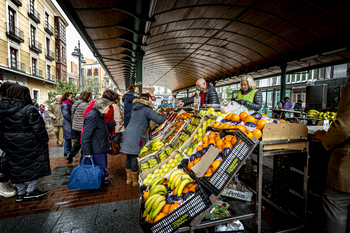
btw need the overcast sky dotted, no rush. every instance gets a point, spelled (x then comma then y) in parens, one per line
(72, 39)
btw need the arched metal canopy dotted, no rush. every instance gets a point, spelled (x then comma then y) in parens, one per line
(217, 40)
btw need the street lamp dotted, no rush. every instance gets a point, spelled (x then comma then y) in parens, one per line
(77, 54)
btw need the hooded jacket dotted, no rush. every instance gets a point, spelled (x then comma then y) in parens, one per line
(128, 106)
(68, 132)
(24, 139)
(211, 97)
(138, 125)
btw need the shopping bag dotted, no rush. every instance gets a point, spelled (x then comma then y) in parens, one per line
(86, 176)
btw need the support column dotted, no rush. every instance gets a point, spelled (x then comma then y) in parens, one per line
(139, 56)
(283, 81)
(188, 93)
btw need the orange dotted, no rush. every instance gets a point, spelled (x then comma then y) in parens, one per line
(212, 141)
(190, 165)
(243, 115)
(235, 117)
(228, 117)
(165, 209)
(205, 139)
(174, 191)
(196, 161)
(264, 115)
(205, 145)
(145, 195)
(241, 128)
(193, 188)
(260, 124)
(282, 120)
(250, 135)
(227, 144)
(173, 206)
(159, 216)
(234, 140)
(220, 148)
(185, 190)
(209, 172)
(219, 143)
(165, 182)
(190, 185)
(217, 138)
(228, 137)
(216, 124)
(152, 221)
(249, 119)
(215, 165)
(212, 135)
(257, 133)
(221, 126)
(199, 148)
(232, 126)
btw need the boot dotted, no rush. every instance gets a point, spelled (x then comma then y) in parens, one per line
(128, 176)
(6, 190)
(135, 178)
(70, 157)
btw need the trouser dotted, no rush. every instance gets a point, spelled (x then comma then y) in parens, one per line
(22, 188)
(76, 145)
(336, 204)
(131, 163)
(59, 133)
(67, 146)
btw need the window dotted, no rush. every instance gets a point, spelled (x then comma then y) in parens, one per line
(340, 71)
(13, 58)
(96, 72)
(31, 6)
(58, 74)
(48, 70)
(89, 72)
(274, 81)
(34, 67)
(48, 46)
(63, 54)
(35, 95)
(57, 30)
(32, 35)
(12, 22)
(57, 53)
(47, 20)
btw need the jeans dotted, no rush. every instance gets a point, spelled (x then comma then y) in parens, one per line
(336, 204)
(22, 188)
(131, 163)
(67, 146)
(76, 145)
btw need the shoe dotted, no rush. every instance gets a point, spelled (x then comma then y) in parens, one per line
(128, 176)
(135, 178)
(6, 190)
(106, 173)
(61, 145)
(105, 182)
(36, 193)
(20, 198)
(69, 157)
(65, 155)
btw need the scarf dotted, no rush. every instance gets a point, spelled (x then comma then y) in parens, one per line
(67, 102)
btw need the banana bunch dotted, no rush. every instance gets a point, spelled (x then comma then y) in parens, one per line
(143, 151)
(178, 180)
(321, 115)
(154, 205)
(157, 145)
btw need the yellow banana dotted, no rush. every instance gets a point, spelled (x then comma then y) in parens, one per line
(174, 181)
(149, 203)
(156, 211)
(181, 186)
(173, 174)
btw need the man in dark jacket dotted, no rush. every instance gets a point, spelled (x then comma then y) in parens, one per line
(127, 100)
(208, 94)
(298, 107)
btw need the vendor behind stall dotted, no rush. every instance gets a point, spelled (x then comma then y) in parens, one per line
(249, 96)
(208, 94)
(336, 197)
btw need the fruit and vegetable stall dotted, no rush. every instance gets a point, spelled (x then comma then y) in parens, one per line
(192, 158)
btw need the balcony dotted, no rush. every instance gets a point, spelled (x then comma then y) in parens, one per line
(34, 15)
(17, 2)
(17, 66)
(50, 77)
(63, 61)
(36, 72)
(14, 33)
(35, 46)
(49, 29)
(50, 55)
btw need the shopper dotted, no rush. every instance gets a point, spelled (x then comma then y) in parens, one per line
(5, 187)
(36, 105)
(25, 142)
(112, 96)
(42, 111)
(336, 197)
(55, 113)
(280, 105)
(135, 134)
(128, 97)
(68, 132)
(78, 109)
(249, 96)
(298, 107)
(95, 140)
(118, 117)
(208, 94)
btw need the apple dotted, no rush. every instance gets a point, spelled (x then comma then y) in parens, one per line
(153, 176)
(173, 164)
(171, 161)
(167, 165)
(145, 181)
(156, 171)
(149, 175)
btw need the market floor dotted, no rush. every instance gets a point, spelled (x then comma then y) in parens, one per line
(61, 201)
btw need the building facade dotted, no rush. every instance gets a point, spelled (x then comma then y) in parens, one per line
(27, 45)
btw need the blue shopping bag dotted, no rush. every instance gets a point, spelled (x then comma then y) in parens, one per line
(86, 176)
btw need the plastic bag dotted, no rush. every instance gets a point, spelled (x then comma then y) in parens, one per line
(232, 107)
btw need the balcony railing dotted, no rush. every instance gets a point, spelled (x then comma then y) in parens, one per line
(17, 2)
(50, 55)
(14, 33)
(50, 77)
(35, 46)
(19, 66)
(49, 28)
(36, 72)
(34, 15)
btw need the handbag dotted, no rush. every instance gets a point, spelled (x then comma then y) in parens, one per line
(4, 171)
(86, 176)
(115, 143)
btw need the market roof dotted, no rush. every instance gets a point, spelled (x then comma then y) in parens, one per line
(217, 40)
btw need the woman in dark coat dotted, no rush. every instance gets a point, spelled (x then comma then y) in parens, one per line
(136, 132)
(24, 138)
(68, 132)
(128, 105)
(95, 139)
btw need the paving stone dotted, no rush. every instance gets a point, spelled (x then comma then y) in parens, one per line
(6, 225)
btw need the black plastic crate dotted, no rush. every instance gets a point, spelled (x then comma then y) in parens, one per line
(181, 216)
(231, 163)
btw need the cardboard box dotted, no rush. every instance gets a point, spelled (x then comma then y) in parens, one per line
(202, 166)
(245, 195)
(285, 131)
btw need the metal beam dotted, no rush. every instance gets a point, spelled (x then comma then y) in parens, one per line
(283, 81)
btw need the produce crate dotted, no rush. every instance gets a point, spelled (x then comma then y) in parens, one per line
(181, 216)
(231, 163)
